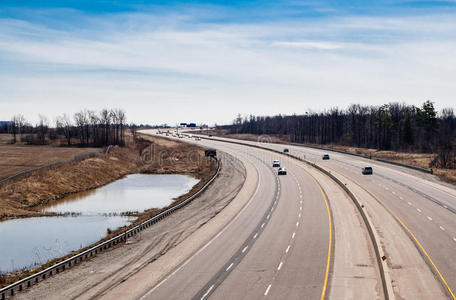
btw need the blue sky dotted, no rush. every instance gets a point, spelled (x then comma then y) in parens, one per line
(205, 61)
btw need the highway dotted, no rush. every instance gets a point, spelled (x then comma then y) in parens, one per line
(300, 236)
(266, 244)
(425, 209)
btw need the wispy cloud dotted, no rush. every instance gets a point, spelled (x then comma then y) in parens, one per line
(162, 66)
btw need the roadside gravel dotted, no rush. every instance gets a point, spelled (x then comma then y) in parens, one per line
(93, 278)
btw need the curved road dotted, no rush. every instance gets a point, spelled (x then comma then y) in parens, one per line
(425, 209)
(277, 246)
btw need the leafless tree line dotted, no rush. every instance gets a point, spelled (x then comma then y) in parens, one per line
(393, 126)
(86, 127)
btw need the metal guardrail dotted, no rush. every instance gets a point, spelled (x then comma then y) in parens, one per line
(27, 282)
(429, 171)
(349, 193)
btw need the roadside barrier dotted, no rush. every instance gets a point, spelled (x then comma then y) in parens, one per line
(429, 171)
(349, 193)
(20, 285)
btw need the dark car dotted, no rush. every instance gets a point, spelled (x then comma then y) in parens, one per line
(325, 156)
(286, 150)
(368, 171)
(210, 152)
(282, 171)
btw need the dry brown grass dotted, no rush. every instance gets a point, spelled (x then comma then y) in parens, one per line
(18, 158)
(22, 197)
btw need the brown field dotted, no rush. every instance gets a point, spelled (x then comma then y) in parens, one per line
(18, 158)
(414, 159)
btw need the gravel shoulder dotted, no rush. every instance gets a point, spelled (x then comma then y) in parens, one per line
(93, 278)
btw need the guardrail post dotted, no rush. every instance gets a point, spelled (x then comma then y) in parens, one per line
(3, 296)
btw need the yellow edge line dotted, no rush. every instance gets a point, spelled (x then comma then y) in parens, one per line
(323, 292)
(409, 231)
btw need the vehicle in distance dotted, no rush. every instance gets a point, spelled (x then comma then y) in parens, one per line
(275, 163)
(282, 171)
(197, 138)
(325, 156)
(286, 150)
(368, 171)
(210, 152)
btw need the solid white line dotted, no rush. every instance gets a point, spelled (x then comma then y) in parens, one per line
(207, 293)
(229, 267)
(442, 228)
(267, 290)
(280, 266)
(243, 250)
(294, 233)
(288, 248)
(429, 218)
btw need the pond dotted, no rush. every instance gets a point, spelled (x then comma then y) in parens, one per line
(34, 241)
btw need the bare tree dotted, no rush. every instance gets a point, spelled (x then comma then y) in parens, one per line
(63, 123)
(42, 126)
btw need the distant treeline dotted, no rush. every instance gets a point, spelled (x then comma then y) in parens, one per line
(393, 126)
(84, 128)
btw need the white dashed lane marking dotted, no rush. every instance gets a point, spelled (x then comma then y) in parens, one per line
(267, 290)
(280, 266)
(229, 267)
(429, 218)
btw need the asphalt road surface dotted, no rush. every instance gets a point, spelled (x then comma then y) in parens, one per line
(299, 236)
(425, 208)
(278, 245)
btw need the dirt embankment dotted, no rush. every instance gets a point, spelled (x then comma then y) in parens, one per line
(93, 278)
(20, 198)
(415, 159)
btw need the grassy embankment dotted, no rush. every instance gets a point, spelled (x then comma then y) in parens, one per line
(414, 159)
(23, 197)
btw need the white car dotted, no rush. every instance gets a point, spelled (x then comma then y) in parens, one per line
(282, 171)
(275, 163)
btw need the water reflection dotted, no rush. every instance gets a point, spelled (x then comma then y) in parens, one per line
(136, 192)
(25, 243)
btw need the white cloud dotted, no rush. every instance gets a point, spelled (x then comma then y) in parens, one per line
(164, 69)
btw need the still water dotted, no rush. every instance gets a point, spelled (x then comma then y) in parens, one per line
(29, 242)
